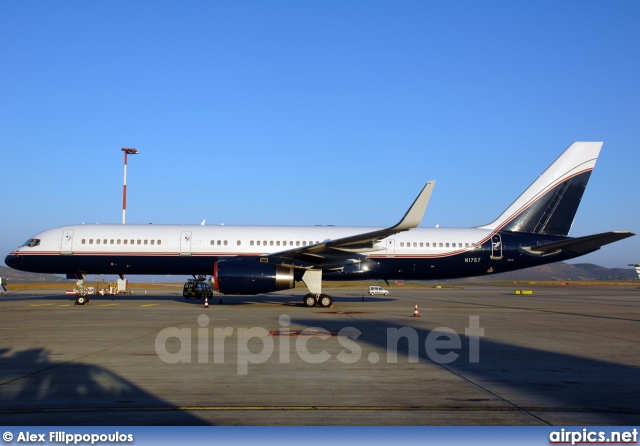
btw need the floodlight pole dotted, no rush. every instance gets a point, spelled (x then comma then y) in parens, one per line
(127, 151)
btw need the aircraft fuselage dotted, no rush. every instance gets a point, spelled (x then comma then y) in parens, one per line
(420, 254)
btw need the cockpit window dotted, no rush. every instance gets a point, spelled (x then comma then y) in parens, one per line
(32, 242)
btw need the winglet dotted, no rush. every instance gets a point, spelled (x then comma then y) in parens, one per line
(365, 242)
(414, 215)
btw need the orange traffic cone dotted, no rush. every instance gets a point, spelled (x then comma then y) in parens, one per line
(206, 302)
(415, 311)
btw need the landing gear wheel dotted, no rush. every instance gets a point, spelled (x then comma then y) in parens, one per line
(309, 300)
(81, 300)
(325, 300)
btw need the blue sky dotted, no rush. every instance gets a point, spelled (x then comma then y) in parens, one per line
(302, 112)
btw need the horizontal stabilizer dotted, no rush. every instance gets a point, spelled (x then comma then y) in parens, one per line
(580, 245)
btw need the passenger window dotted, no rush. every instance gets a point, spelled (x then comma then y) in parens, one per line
(447, 245)
(421, 244)
(153, 242)
(298, 243)
(119, 241)
(225, 243)
(278, 243)
(146, 241)
(159, 242)
(104, 241)
(139, 242)
(91, 241)
(83, 240)
(126, 241)
(402, 244)
(239, 243)
(97, 241)
(441, 244)
(111, 242)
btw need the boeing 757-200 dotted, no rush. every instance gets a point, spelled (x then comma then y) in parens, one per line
(532, 231)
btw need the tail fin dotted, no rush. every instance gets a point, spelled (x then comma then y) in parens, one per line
(549, 205)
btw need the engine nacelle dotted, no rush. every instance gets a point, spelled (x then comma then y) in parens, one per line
(240, 277)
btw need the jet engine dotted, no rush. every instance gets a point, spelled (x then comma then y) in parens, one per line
(248, 277)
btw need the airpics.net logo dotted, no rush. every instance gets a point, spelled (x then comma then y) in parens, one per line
(257, 345)
(589, 436)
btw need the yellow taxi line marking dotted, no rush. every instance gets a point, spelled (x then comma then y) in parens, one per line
(148, 305)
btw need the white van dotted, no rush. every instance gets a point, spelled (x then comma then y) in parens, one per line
(377, 290)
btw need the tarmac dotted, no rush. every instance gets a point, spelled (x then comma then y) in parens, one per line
(476, 355)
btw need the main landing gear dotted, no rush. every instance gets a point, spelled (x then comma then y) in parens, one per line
(322, 300)
(312, 278)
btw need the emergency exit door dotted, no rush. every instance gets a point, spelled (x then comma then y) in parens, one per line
(496, 247)
(185, 243)
(66, 245)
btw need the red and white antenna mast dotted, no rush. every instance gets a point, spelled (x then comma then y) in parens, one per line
(127, 151)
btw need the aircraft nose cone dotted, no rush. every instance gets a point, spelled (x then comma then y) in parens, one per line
(10, 261)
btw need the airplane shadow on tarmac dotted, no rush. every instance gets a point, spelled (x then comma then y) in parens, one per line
(530, 379)
(34, 390)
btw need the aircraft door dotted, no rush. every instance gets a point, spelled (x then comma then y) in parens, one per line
(185, 243)
(66, 246)
(496, 247)
(391, 248)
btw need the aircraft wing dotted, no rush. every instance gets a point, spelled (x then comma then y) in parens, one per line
(580, 245)
(339, 250)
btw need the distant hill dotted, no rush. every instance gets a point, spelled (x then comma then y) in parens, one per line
(567, 272)
(15, 276)
(555, 271)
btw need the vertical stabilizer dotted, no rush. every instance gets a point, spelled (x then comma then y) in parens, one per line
(549, 205)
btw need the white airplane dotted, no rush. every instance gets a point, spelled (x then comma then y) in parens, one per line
(532, 231)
